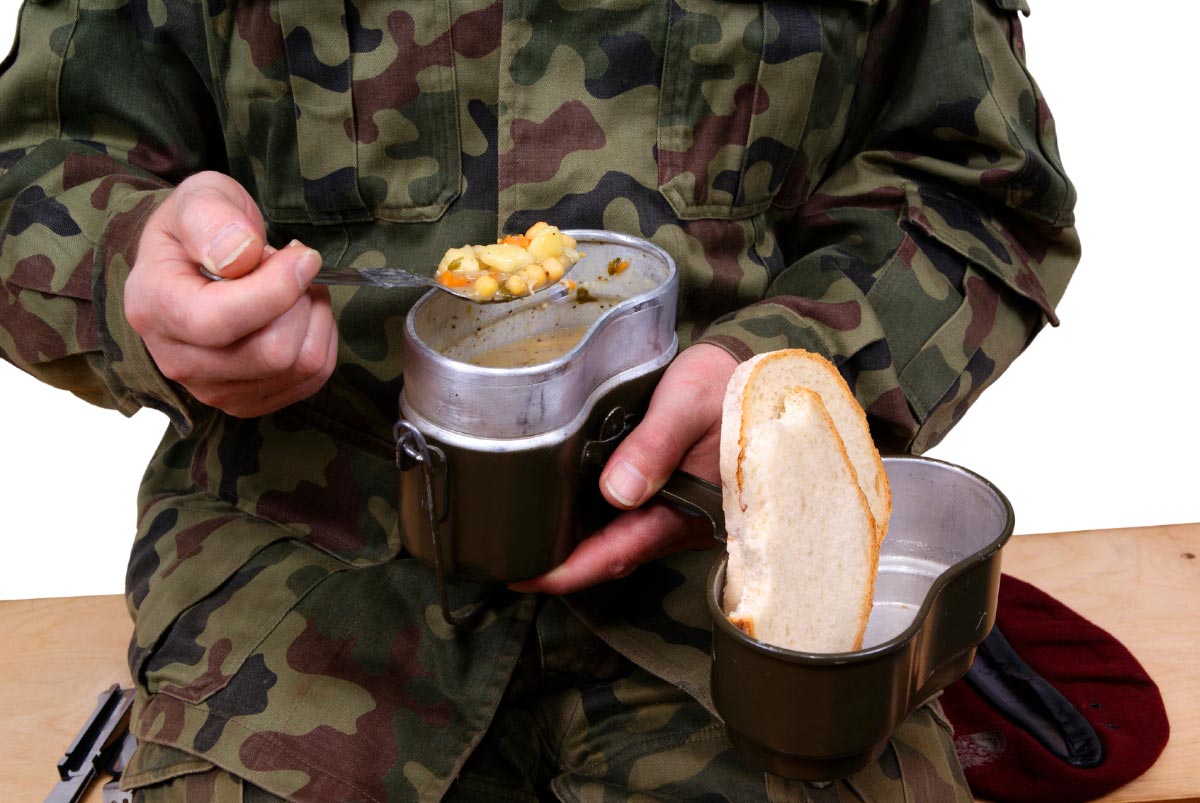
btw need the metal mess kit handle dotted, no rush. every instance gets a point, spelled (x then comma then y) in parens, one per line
(682, 489)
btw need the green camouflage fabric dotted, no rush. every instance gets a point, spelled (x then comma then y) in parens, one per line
(874, 180)
(583, 721)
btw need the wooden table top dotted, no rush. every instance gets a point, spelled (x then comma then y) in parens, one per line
(1142, 585)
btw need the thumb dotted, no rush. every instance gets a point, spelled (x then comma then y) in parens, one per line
(684, 410)
(217, 223)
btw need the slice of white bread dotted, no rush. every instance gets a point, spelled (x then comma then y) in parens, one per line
(755, 394)
(803, 554)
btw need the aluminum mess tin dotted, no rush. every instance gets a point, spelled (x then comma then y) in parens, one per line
(507, 475)
(823, 716)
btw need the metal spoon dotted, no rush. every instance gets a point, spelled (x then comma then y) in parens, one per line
(398, 278)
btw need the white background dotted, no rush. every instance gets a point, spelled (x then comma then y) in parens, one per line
(1093, 427)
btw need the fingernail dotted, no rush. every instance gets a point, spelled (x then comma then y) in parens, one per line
(306, 267)
(226, 246)
(269, 250)
(626, 484)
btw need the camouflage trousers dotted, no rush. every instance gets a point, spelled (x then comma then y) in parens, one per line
(580, 723)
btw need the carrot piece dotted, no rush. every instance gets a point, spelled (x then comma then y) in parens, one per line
(519, 240)
(452, 279)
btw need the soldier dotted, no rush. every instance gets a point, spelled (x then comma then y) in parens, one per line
(873, 180)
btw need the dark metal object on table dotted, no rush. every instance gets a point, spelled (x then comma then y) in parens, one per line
(103, 744)
(112, 792)
(817, 717)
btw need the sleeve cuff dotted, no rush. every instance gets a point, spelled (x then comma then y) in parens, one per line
(130, 372)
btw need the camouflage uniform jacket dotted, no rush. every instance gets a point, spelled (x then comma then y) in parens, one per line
(875, 180)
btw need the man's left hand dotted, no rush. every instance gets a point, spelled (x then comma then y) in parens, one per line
(681, 429)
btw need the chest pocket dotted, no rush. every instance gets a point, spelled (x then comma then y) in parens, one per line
(738, 83)
(339, 112)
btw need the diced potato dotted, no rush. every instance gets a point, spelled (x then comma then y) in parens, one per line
(569, 242)
(464, 257)
(533, 230)
(548, 243)
(503, 257)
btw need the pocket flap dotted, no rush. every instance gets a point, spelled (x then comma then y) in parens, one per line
(153, 763)
(207, 644)
(978, 239)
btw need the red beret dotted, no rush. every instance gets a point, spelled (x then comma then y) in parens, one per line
(1090, 672)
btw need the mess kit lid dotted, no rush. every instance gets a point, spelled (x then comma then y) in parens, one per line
(629, 319)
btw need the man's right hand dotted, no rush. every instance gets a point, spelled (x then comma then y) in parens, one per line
(249, 346)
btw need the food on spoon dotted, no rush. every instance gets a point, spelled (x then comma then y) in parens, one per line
(516, 265)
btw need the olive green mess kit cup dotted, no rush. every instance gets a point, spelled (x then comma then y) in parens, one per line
(498, 481)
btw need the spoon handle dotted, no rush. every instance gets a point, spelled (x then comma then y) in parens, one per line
(374, 277)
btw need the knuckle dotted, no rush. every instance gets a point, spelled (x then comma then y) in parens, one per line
(209, 397)
(621, 561)
(175, 371)
(276, 354)
(205, 183)
(135, 312)
(207, 204)
(653, 445)
(310, 362)
(202, 324)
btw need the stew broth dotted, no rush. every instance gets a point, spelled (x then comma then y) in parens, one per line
(532, 350)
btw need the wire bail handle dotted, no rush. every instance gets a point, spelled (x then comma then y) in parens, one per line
(413, 450)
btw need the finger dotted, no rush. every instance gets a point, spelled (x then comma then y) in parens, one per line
(307, 387)
(265, 354)
(217, 314)
(684, 408)
(290, 349)
(290, 394)
(252, 398)
(218, 224)
(634, 538)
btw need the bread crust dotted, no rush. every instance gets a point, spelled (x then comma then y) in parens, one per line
(736, 407)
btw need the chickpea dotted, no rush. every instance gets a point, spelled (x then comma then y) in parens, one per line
(554, 268)
(534, 275)
(516, 285)
(485, 287)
